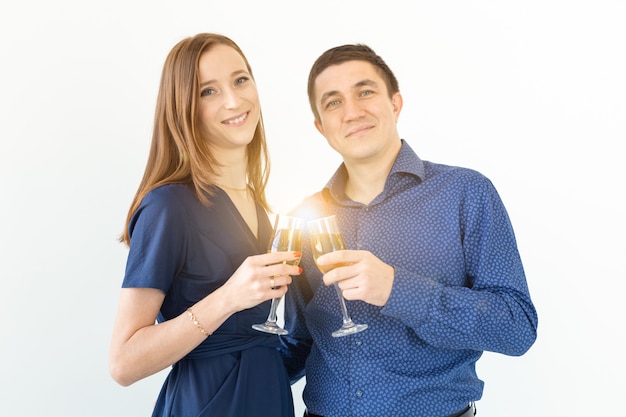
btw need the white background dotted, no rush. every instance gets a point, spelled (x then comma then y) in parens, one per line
(530, 93)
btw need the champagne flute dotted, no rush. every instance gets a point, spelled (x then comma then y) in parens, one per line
(287, 237)
(326, 237)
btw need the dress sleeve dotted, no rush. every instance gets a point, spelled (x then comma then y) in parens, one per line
(158, 242)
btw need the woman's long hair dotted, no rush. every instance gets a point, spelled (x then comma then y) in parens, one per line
(178, 153)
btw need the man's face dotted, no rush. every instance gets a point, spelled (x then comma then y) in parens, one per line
(356, 115)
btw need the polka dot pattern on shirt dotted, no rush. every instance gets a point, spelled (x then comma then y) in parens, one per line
(459, 289)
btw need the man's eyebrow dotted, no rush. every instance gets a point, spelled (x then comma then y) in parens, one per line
(366, 82)
(328, 94)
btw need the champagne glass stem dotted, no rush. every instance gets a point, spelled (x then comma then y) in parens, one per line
(272, 316)
(344, 310)
(270, 325)
(349, 327)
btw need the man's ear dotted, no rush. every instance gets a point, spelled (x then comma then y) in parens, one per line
(396, 102)
(318, 126)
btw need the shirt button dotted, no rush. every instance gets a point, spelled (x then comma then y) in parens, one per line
(359, 393)
(358, 342)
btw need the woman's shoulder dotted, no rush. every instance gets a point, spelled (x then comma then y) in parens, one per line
(169, 191)
(167, 200)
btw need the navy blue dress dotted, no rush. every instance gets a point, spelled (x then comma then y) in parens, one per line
(187, 250)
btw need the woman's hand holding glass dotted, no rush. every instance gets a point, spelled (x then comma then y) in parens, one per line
(287, 236)
(250, 285)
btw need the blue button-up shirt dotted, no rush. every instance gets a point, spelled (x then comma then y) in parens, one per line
(459, 289)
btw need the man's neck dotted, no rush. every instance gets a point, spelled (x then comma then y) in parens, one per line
(366, 179)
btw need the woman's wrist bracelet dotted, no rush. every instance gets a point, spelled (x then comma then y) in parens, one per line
(197, 323)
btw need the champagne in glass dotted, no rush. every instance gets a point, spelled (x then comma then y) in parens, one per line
(287, 237)
(326, 237)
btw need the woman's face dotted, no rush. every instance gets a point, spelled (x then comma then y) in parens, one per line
(228, 106)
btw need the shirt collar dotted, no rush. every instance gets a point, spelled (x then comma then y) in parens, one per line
(407, 162)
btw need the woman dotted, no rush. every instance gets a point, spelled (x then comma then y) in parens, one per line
(197, 232)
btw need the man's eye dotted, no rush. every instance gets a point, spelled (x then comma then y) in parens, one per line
(332, 103)
(206, 92)
(366, 93)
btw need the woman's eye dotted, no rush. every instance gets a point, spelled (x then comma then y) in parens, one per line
(206, 92)
(241, 80)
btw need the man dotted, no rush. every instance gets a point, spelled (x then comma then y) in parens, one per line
(432, 265)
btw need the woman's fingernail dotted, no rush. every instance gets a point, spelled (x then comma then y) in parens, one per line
(297, 254)
(299, 270)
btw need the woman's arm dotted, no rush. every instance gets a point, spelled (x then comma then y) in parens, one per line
(140, 348)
